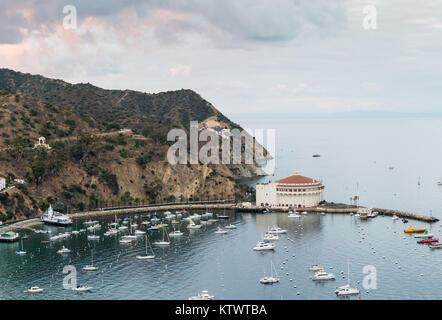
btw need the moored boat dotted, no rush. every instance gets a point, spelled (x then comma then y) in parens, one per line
(424, 235)
(428, 240)
(10, 236)
(412, 230)
(55, 218)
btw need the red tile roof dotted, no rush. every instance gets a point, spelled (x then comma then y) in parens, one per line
(298, 180)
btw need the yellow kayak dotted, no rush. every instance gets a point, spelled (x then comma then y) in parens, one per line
(411, 230)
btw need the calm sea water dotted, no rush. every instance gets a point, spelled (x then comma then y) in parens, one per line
(355, 155)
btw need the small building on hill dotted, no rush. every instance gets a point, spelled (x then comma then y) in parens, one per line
(295, 191)
(2, 183)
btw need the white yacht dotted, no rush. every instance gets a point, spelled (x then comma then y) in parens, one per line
(230, 226)
(139, 232)
(304, 213)
(276, 230)
(394, 217)
(203, 295)
(90, 223)
(35, 290)
(264, 246)
(55, 218)
(322, 275)
(273, 277)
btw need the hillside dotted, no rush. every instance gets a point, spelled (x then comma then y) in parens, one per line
(92, 162)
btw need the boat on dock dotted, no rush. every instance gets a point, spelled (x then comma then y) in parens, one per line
(55, 218)
(412, 230)
(9, 236)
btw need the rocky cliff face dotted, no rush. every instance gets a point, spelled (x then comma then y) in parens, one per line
(108, 147)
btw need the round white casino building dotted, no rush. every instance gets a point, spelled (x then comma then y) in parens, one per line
(295, 191)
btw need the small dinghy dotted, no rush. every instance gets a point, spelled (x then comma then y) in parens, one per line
(221, 231)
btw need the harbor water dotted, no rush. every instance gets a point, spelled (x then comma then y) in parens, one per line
(355, 156)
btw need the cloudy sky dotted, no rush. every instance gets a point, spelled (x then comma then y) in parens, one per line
(300, 56)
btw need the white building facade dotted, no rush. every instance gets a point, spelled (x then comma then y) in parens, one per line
(295, 191)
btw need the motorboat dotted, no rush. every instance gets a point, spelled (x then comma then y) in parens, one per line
(55, 218)
(273, 278)
(80, 289)
(203, 295)
(293, 214)
(394, 217)
(412, 230)
(304, 213)
(346, 290)
(125, 241)
(435, 246)
(428, 240)
(322, 275)
(35, 289)
(270, 237)
(264, 246)
(424, 235)
(230, 226)
(154, 228)
(93, 237)
(147, 256)
(221, 231)
(63, 250)
(139, 232)
(315, 268)
(276, 230)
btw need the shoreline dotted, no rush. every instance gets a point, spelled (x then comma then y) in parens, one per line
(27, 224)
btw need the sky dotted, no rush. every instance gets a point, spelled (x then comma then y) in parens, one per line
(244, 56)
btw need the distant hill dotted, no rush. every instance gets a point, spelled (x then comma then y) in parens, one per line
(93, 162)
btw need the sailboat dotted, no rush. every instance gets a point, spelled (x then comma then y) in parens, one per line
(175, 233)
(91, 267)
(145, 257)
(163, 242)
(21, 252)
(346, 290)
(224, 215)
(271, 279)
